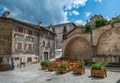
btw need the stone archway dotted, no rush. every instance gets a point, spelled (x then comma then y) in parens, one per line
(78, 48)
(108, 45)
(109, 42)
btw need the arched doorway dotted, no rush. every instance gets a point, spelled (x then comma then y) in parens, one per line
(78, 48)
(109, 45)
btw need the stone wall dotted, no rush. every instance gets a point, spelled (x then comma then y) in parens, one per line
(105, 40)
(5, 38)
(77, 46)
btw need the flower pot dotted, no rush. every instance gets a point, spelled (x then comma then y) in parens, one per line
(72, 65)
(79, 70)
(51, 68)
(100, 73)
(61, 70)
(5, 67)
(44, 67)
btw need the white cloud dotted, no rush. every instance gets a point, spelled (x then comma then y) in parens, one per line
(87, 14)
(79, 22)
(98, 0)
(74, 12)
(47, 11)
(75, 4)
(108, 18)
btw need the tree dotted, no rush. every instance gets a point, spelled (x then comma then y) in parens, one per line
(88, 28)
(114, 20)
(100, 21)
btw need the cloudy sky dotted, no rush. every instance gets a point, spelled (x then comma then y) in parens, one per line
(59, 11)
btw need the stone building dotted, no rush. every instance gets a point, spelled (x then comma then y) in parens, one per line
(103, 44)
(22, 42)
(47, 44)
(60, 30)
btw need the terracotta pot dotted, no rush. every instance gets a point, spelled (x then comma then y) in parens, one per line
(51, 68)
(79, 70)
(61, 70)
(5, 67)
(44, 67)
(100, 73)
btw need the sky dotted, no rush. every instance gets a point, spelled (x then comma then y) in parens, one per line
(59, 11)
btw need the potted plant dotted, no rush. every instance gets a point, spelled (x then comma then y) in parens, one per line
(62, 67)
(52, 66)
(72, 64)
(44, 64)
(79, 68)
(99, 69)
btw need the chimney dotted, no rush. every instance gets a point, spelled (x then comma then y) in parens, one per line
(39, 23)
(5, 14)
(51, 28)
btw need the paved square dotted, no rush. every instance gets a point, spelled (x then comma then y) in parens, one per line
(33, 74)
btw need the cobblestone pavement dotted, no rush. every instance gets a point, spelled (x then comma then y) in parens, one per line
(33, 74)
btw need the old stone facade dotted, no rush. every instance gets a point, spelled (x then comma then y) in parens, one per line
(60, 29)
(22, 42)
(103, 44)
(48, 44)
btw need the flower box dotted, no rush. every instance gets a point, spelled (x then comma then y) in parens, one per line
(5, 67)
(62, 67)
(100, 73)
(99, 69)
(79, 70)
(61, 70)
(72, 65)
(44, 65)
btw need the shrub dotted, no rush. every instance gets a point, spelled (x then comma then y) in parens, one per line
(99, 66)
(80, 63)
(63, 65)
(45, 63)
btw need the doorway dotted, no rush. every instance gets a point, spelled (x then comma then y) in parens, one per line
(45, 55)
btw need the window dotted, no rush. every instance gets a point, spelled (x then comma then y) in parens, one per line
(20, 30)
(25, 46)
(43, 43)
(1, 50)
(48, 44)
(19, 46)
(29, 46)
(29, 59)
(64, 29)
(30, 32)
(64, 37)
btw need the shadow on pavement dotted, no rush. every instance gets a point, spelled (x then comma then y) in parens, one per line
(118, 81)
(95, 78)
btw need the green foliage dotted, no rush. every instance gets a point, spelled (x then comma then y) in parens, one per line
(114, 20)
(45, 63)
(80, 63)
(63, 65)
(99, 66)
(100, 21)
(88, 28)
